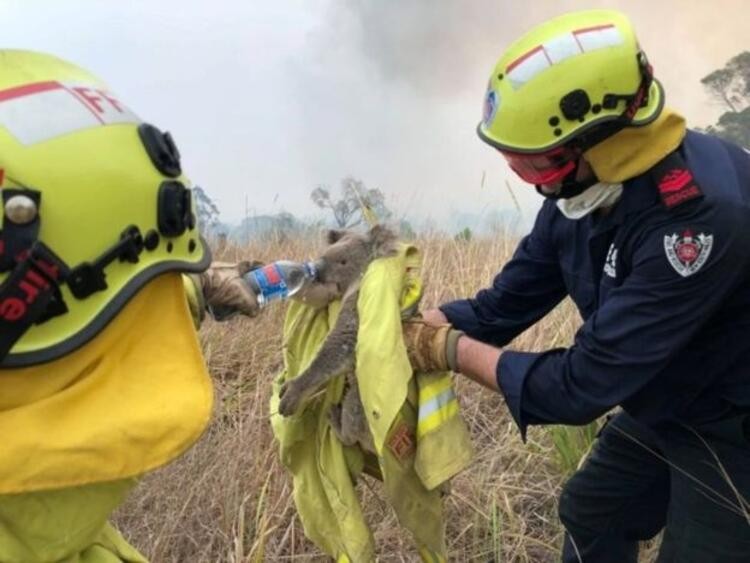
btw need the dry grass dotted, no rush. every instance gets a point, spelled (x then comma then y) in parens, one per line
(228, 499)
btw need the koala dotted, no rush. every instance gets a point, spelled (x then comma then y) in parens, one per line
(340, 270)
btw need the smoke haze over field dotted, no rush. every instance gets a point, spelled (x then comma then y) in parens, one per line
(267, 100)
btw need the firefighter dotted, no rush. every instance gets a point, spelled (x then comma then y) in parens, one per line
(645, 226)
(101, 373)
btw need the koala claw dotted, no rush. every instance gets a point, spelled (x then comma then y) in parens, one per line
(290, 397)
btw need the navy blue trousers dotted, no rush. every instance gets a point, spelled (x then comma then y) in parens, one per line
(693, 482)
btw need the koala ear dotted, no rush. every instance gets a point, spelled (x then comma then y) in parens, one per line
(384, 241)
(334, 235)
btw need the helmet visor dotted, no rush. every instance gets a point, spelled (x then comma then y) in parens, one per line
(543, 168)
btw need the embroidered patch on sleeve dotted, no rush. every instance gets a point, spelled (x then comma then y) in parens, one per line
(674, 181)
(401, 442)
(677, 186)
(687, 252)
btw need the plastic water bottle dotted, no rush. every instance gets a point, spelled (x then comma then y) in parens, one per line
(276, 281)
(279, 280)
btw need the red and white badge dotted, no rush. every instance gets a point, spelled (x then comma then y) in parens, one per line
(687, 251)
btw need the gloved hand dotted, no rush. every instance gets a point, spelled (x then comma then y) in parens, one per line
(431, 347)
(225, 292)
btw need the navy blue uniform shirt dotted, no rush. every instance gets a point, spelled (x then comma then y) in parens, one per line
(664, 295)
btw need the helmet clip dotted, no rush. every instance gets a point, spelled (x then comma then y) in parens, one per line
(174, 209)
(89, 277)
(161, 149)
(575, 105)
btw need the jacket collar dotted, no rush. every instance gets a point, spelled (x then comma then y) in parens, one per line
(638, 194)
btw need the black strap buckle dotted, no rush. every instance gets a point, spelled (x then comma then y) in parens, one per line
(174, 209)
(89, 277)
(639, 98)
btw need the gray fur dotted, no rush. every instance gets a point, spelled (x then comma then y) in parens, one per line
(341, 267)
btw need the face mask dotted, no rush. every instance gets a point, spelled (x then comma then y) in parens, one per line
(598, 196)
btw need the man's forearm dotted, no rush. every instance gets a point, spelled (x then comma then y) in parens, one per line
(478, 361)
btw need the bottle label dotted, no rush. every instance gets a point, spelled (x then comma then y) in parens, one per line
(271, 282)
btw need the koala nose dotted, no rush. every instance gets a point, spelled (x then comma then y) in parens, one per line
(320, 269)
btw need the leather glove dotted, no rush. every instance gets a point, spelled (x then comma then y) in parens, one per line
(431, 348)
(225, 292)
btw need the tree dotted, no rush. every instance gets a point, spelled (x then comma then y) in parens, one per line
(731, 86)
(463, 235)
(720, 83)
(733, 126)
(405, 230)
(208, 212)
(279, 227)
(357, 203)
(741, 66)
(284, 226)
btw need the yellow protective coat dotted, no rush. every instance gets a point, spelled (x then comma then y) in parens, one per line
(78, 429)
(65, 526)
(131, 400)
(322, 468)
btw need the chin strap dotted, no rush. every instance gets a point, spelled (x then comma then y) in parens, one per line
(30, 294)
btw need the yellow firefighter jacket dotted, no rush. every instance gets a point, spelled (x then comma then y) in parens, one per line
(419, 435)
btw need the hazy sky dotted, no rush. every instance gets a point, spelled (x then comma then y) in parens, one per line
(267, 99)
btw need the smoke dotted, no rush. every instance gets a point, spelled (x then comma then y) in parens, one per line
(440, 48)
(394, 89)
(269, 99)
(446, 48)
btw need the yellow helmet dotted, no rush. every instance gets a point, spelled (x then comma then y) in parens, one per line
(581, 76)
(94, 207)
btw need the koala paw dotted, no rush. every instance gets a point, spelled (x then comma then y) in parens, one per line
(290, 396)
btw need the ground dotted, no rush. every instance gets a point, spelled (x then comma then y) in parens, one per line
(228, 499)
